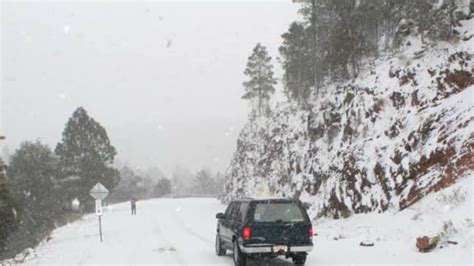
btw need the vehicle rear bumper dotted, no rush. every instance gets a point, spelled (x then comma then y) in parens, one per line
(267, 248)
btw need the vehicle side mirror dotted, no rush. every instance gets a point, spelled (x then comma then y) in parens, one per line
(220, 216)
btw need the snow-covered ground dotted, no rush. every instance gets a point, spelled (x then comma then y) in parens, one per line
(447, 213)
(182, 231)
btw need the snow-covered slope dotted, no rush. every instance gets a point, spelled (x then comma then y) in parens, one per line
(447, 214)
(399, 131)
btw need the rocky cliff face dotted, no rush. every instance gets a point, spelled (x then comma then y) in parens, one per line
(402, 129)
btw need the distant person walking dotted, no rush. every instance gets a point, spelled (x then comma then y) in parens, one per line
(133, 203)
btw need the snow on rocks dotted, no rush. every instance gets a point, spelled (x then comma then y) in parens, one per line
(426, 244)
(394, 234)
(400, 131)
(20, 258)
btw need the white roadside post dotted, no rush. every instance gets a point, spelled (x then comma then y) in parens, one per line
(99, 192)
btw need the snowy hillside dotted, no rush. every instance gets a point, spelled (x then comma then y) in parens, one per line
(446, 214)
(402, 129)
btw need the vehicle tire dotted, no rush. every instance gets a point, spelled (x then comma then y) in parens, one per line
(220, 251)
(299, 259)
(240, 259)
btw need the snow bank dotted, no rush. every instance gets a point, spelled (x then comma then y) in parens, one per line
(447, 213)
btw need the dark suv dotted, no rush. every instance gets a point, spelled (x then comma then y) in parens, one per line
(264, 229)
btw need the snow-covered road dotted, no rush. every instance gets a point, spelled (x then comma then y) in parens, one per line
(182, 231)
(164, 232)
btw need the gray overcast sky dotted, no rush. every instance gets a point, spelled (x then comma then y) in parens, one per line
(164, 78)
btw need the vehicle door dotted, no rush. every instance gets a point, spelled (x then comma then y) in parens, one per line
(238, 214)
(233, 221)
(225, 227)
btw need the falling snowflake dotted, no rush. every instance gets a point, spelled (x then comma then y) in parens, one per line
(66, 29)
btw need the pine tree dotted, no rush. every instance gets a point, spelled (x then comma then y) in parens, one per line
(33, 175)
(180, 181)
(342, 32)
(220, 183)
(85, 151)
(320, 18)
(126, 188)
(162, 188)
(297, 64)
(204, 183)
(260, 84)
(7, 211)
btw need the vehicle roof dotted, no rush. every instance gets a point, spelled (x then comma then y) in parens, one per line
(266, 200)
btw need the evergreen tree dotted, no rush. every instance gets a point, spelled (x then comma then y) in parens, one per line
(297, 64)
(220, 182)
(7, 211)
(260, 85)
(133, 184)
(33, 175)
(180, 181)
(127, 187)
(320, 18)
(204, 183)
(310, 8)
(85, 151)
(162, 188)
(336, 35)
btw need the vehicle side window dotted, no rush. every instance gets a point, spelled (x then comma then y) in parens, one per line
(243, 211)
(228, 212)
(234, 215)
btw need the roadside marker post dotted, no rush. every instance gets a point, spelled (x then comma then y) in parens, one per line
(99, 193)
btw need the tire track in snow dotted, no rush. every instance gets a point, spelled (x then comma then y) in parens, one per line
(203, 239)
(199, 248)
(164, 233)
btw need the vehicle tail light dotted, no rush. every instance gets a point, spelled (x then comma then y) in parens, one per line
(310, 231)
(246, 232)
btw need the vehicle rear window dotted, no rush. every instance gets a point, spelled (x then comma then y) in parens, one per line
(278, 212)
